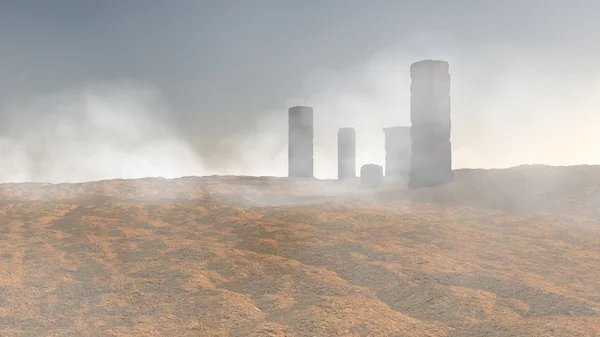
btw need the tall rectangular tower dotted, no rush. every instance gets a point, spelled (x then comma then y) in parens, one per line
(431, 150)
(346, 153)
(300, 142)
(397, 152)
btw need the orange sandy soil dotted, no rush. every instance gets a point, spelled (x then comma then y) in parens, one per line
(512, 252)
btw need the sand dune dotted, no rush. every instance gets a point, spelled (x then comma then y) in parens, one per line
(512, 252)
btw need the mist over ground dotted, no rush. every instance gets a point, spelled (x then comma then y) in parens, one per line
(115, 129)
(510, 106)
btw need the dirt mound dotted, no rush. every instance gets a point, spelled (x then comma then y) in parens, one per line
(496, 253)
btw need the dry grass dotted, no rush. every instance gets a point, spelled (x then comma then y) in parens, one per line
(496, 253)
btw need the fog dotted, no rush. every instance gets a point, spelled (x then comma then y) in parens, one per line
(510, 106)
(105, 130)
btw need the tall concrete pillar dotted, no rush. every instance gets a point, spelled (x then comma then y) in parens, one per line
(300, 142)
(431, 150)
(346, 153)
(397, 152)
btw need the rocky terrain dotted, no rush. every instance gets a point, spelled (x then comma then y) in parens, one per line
(512, 252)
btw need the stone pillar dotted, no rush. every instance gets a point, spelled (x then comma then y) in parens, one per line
(346, 153)
(397, 152)
(300, 142)
(431, 150)
(371, 176)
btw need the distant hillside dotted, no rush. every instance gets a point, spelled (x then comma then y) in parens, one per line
(571, 189)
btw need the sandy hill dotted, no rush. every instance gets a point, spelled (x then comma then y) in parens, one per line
(512, 252)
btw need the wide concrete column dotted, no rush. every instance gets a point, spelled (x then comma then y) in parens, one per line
(397, 152)
(346, 153)
(431, 150)
(300, 142)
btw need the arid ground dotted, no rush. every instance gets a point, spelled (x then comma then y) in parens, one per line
(513, 252)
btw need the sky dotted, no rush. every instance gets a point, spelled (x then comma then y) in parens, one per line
(93, 90)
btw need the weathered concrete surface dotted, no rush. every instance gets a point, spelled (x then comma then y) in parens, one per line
(371, 176)
(300, 142)
(346, 153)
(397, 152)
(431, 150)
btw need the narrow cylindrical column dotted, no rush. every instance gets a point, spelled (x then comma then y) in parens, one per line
(397, 152)
(346, 153)
(371, 176)
(431, 150)
(300, 142)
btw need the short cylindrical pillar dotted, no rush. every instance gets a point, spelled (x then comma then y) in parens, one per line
(346, 153)
(300, 142)
(371, 176)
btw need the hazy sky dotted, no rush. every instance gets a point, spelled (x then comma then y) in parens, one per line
(200, 73)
